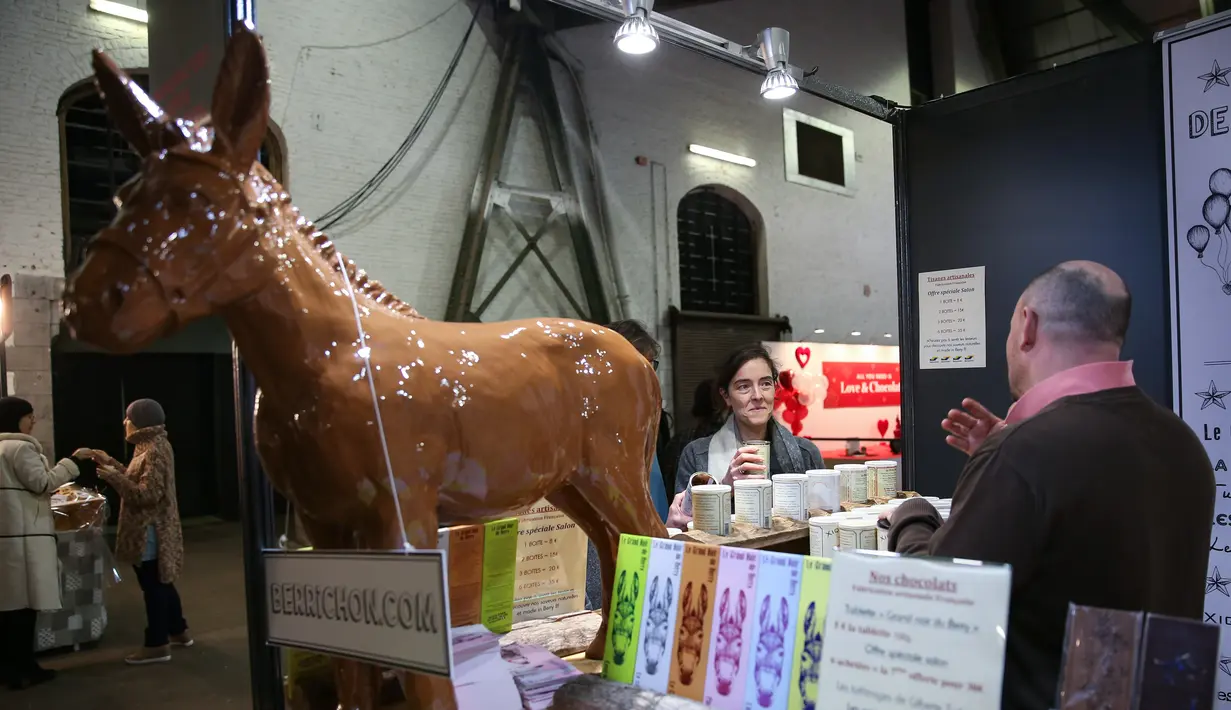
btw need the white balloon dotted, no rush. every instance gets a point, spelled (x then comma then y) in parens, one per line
(805, 385)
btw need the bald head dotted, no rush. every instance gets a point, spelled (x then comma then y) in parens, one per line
(1081, 302)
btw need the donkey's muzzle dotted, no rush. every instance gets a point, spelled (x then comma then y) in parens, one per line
(114, 303)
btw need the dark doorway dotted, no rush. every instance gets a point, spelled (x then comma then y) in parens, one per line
(91, 390)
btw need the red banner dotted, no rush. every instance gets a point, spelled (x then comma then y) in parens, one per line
(863, 384)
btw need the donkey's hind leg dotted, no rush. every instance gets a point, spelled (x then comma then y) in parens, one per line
(572, 504)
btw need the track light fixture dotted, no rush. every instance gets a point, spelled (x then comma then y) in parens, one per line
(637, 35)
(775, 52)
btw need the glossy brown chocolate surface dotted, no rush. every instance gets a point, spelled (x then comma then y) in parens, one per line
(481, 420)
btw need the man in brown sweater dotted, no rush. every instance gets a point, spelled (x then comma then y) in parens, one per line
(1094, 493)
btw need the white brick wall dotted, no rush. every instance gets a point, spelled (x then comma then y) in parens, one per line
(831, 259)
(45, 48)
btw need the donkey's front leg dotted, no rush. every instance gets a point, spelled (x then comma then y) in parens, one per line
(423, 692)
(357, 684)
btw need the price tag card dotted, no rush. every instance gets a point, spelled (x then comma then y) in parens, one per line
(914, 632)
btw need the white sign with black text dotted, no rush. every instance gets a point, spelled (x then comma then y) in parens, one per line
(914, 632)
(1196, 101)
(388, 608)
(952, 322)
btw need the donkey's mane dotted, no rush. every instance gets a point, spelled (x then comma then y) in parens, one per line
(359, 279)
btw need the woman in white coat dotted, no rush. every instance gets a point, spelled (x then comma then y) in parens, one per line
(29, 565)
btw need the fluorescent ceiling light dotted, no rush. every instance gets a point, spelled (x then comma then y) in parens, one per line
(721, 155)
(128, 12)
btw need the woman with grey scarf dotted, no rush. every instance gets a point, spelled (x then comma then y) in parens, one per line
(746, 381)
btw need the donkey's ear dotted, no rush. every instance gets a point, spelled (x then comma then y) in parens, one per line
(129, 108)
(654, 592)
(632, 591)
(743, 606)
(668, 595)
(619, 590)
(240, 109)
(765, 611)
(705, 598)
(687, 600)
(724, 602)
(810, 619)
(784, 613)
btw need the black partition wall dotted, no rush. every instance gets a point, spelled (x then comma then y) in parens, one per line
(1063, 164)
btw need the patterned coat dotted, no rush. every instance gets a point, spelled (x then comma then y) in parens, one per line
(29, 561)
(147, 497)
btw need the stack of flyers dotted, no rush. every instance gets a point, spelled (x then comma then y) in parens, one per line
(472, 641)
(537, 672)
(481, 680)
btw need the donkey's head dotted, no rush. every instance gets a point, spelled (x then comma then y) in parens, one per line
(181, 245)
(656, 630)
(692, 631)
(730, 639)
(767, 670)
(624, 618)
(810, 658)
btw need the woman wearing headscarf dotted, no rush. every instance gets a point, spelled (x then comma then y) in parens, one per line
(29, 563)
(149, 535)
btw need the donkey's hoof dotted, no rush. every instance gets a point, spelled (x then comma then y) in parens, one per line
(597, 647)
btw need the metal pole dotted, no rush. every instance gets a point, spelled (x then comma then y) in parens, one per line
(255, 497)
(908, 353)
(6, 322)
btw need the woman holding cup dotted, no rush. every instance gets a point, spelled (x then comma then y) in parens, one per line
(751, 443)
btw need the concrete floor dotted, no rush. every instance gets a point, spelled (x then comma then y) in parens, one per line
(211, 674)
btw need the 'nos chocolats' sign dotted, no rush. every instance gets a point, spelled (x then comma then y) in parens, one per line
(862, 384)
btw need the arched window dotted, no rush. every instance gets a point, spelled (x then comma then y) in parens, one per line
(95, 160)
(719, 258)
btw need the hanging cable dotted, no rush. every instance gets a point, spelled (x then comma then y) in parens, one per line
(369, 188)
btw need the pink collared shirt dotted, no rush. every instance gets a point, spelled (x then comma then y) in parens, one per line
(1083, 379)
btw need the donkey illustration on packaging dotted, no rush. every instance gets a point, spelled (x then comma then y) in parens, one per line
(692, 628)
(767, 670)
(730, 639)
(656, 631)
(810, 658)
(623, 616)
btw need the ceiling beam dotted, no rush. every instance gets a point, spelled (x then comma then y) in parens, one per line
(1119, 19)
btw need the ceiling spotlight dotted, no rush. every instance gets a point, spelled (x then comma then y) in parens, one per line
(637, 35)
(888, 335)
(775, 52)
(819, 331)
(856, 333)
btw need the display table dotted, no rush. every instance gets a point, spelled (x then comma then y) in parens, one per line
(785, 535)
(85, 563)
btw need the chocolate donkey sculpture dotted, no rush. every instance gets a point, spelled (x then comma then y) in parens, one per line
(481, 420)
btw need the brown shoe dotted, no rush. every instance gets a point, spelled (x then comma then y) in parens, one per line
(157, 654)
(183, 640)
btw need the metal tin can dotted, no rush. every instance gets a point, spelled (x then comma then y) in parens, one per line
(854, 482)
(710, 511)
(857, 534)
(886, 475)
(823, 535)
(824, 490)
(754, 501)
(791, 496)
